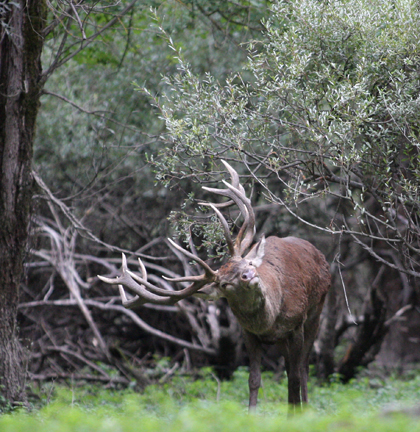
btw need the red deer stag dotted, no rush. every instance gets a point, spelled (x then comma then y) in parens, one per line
(276, 291)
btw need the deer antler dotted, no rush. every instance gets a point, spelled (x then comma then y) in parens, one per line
(236, 193)
(145, 292)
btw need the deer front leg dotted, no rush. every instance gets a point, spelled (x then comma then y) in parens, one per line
(253, 347)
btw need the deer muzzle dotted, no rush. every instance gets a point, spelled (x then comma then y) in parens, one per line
(249, 275)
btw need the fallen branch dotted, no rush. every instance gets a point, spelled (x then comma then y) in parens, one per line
(78, 377)
(134, 317)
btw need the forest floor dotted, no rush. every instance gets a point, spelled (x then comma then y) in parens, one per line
(372, 402)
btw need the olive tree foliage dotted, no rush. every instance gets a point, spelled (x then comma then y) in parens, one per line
(328, 121)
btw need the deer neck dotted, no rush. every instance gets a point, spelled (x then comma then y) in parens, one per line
(247, 300)
(252, 308)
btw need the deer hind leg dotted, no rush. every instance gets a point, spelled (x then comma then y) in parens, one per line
(304, 380)
(295, 368)
(310, 332)
(253, 347)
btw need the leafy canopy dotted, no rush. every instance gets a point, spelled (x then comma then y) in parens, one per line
(329, 110)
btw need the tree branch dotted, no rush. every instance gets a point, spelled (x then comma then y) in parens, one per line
(56, 64)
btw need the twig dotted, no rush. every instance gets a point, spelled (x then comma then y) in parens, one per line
(96, 113)
(168, 374)
(218, 386)
(81, 358)
(78, 20)
(85, 377)
(397, 315)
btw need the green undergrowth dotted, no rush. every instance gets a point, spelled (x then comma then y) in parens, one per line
(207, 404)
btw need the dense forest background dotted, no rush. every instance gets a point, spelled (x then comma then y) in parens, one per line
(314, 103)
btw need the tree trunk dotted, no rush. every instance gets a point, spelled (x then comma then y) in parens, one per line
(21, 44)
(369, 334)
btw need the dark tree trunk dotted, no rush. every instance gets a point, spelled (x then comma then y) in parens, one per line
(20, 71)
(369, 334)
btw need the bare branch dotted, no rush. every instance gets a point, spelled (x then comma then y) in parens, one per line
(78, 20)
(132, 315)
(57, 63)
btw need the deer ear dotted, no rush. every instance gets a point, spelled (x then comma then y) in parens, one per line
(256, 254)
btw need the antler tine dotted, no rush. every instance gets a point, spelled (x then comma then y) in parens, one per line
(141, 294)
(209, 274)
(248, 227)
(225, 227)
(142, 268)
(191, 243)
(234, 176)
(124, 299)
(236, 192)
(247, 232)
(235, 183)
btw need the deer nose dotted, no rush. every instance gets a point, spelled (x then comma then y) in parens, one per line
(248, 274)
